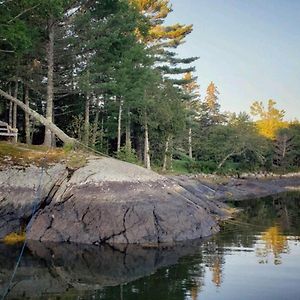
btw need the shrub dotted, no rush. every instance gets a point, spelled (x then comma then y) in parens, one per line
(128, 155)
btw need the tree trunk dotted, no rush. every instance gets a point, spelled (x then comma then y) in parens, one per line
(190, 143)
(50, 83)
(10, 107)
(57, 131)
(95, 127)
(86, 137)
(166, 154)
(14, 118)
(171, 154)
(128, 131)
(146, 146)
(228, 156)
(119, 124)
(27, 121)
(102, 131)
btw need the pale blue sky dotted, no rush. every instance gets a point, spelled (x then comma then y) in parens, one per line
(249, 48)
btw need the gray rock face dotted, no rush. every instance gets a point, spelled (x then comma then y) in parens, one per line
(18, 193)
(106, 201)
(109, 201)
(122, 213)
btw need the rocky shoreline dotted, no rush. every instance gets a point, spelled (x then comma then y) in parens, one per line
(108, 201)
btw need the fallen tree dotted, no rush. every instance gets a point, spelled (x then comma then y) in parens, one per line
(57, 131)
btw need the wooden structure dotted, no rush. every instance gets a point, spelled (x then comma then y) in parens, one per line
(6, 130)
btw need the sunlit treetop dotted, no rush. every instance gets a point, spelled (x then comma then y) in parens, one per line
(211, 98)
(270, 119)
(156, 11)
(191, 85)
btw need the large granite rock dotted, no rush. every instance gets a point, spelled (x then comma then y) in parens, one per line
(109, 201)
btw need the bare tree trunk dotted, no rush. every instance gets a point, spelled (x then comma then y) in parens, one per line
(190, 143)
(171, 154)
(166, 154)
(146, 146)
(95, 127)
(50, 83)
(102, 132)
(57, 131)
(228, 156)
(119, 125)
(27, 121)
(14, 118)
(86, 137)
(285, 139)
(128, 131)
(10, 107)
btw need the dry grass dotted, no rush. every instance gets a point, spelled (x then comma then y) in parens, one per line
(14, 238)
(25, 155)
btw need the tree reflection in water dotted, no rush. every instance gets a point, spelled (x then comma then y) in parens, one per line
(273, 242)
(264, 229)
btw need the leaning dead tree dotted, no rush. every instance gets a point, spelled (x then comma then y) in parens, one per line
(57, 131)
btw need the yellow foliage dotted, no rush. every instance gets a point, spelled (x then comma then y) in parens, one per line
(14, 238)
(270, 118)
(211, 98)
(268, 128)
(192, 85)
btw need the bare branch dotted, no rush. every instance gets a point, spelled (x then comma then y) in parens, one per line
(23, 12)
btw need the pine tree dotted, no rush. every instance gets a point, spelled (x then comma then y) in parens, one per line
(211, 105)
(163, 35)
(192, 104)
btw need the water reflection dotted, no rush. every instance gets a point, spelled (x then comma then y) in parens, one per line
(273, 243)
(257, 255)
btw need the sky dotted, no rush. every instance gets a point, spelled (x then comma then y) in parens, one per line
(249, 48)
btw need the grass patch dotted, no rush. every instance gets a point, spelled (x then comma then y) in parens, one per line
(76, 160)
(180, 167)
(14, 238)
(25, 155)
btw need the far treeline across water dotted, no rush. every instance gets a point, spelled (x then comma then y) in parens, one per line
(107, 74)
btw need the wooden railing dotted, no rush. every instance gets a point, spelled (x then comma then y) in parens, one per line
(6, 130)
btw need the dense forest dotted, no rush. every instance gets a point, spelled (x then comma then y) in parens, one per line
(107, 73)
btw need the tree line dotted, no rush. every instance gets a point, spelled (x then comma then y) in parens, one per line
(107, 74)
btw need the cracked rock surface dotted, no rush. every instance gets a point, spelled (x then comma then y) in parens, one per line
(112, 202)
(19, 196)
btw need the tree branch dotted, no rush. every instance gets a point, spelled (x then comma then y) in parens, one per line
(23, 12)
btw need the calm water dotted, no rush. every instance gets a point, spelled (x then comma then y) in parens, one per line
(256, 256)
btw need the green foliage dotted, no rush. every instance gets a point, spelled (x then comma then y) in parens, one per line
(235, 146)
(128, 155)
(201, 167)
(180, 167)
(116, 55)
